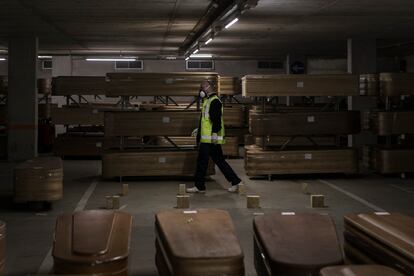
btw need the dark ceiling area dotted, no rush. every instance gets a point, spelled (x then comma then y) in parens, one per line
(157, 28)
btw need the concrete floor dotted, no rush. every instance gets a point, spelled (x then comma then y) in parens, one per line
(30, 234)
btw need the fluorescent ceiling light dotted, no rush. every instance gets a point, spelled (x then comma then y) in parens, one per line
(208, 41)
(2, 59)
(111, 59)
(44, 57)
(187, 58)
(195, 51)
(171, 57)
(231, 23)
(201, 56)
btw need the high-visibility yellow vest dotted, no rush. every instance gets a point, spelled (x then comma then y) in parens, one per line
(207, 125)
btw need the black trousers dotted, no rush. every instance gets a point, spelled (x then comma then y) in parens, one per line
(205, 151)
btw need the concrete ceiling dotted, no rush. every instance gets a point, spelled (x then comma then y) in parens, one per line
(155, 28)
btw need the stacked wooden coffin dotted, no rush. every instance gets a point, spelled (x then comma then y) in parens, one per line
(229, 86)
(157, 84)
(39, 180)
(71, 85)
(307, 143)
(300, 85)
(92, 242)
(150, 161)
(214, 248)
(300, 160)
(230, 148)
(381, 238)
(286, 137)
(74, 115)
(392, 124)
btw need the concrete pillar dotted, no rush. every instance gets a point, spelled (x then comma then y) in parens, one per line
(362, 59)
(22, 98)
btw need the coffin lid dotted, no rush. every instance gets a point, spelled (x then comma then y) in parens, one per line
(394, 230)
(92, 236)
(204, 233)
(299, 240)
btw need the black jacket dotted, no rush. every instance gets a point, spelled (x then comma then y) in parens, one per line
(215, 116)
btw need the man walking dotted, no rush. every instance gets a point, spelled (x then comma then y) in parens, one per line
(210, 137)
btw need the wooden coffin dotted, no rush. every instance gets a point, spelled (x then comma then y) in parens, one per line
(391, 123)
(44, 86)
(230, 148)
(78, 145)
(157, 84)
(68, 115)
(238, 132)
(304, 123)
(359, 270)
(369, 85)
(396, 84)
(92, 242)
(2, 246)
(85, 85)
(389, 160)
(300, 85)
(234, 116)
(295, 244)
(150, 123)
(229, 86)
(384, 238)
(151, 163)
(300, 161)
(90, 144)
(39, 179)
(278, 141)
(213, 248)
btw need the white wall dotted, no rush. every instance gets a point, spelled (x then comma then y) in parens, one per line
(326, 66)
(80, 67)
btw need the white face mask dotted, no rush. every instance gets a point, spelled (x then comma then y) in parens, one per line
(202, 94)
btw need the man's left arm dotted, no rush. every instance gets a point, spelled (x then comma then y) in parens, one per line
(215, 116)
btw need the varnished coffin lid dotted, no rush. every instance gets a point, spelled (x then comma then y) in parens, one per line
(92, 237)
(298, 240)
(359, 270)
(199, 234)
(394, 230)
(41, 163)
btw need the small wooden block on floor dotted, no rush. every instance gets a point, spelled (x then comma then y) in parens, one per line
(317, 201)
(108, 202)
(125, 189)
(242, 189)
(253, 201)
(115, 202)
(183, 201)
(182, 189)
